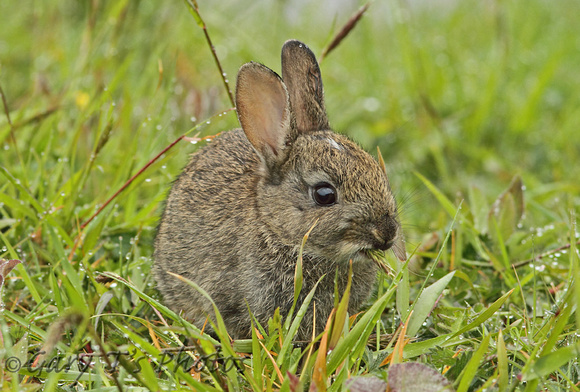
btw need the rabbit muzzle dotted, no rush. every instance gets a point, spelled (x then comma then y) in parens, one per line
(385, 233)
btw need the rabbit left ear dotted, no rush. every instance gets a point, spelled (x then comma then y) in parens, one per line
(301, 75)
(263, 110)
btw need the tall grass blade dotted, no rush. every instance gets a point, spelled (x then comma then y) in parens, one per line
(553, 361)
(425, 303)
(341, 314)
(441, 198)
(485, 315)
(469, 373)
(295, 325)
(355, 341)
(344, 31)
(502, 363)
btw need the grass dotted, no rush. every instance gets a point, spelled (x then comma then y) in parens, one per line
(473, 105)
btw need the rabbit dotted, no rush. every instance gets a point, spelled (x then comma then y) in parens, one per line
(235, 218)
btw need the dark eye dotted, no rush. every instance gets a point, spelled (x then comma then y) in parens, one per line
(324, 194)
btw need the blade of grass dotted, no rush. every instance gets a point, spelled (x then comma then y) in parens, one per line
(194, 10)
(413, 350)
(575, 264)
(130, 180)
(24, 193)
(295, 325)
(257, 368)
(220, 328)
(320, 374)
(22, 271)
(276, 367)
(355, 341)
(502, 363)
(434, 263)
(298, 277)
(426, 302)
(469, 373)
(159, 307)
(551, 362)
(160, 358)
(506, 270)
(486, 314)
(402, 297)
(397, 356)
(71, 273)
(341, 313)
(441, 198)
(344, 31)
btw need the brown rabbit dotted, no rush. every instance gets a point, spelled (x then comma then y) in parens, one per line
(235, 218)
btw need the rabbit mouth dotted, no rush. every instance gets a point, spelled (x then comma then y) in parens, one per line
(377, 256)
(373, 253)
(395, 245)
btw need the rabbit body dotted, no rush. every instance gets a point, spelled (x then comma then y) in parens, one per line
(235, 218)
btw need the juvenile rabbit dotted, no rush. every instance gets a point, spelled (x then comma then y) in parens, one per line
(235, 218)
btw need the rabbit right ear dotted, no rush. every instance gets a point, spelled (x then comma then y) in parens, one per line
(301, 75)
(263, 110)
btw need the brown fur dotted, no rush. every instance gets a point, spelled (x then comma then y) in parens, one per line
(236, 216)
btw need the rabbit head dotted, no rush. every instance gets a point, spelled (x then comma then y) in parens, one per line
(310, 175)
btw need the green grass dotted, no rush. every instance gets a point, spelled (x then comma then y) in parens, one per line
(460, 97)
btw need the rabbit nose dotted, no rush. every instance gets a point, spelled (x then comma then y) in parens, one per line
(384, 233)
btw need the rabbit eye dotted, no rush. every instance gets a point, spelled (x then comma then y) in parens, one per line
(324, 194)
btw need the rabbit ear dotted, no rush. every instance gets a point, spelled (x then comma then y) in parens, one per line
(262, 106)
(302, 78)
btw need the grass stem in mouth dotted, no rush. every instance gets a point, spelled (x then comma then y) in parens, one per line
(378, 257)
